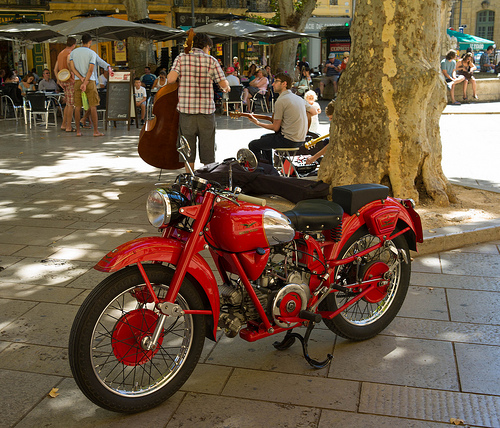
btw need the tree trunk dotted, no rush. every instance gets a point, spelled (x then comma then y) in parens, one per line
(295, 19)
(137, 46)
(385, 127)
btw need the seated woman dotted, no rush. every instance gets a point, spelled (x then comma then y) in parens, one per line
(160, 82)
(466, 67)
(252, 72)
(304, 83)
(27, 84)
(257, 85)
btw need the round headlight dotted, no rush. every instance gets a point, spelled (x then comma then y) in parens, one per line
(158, 207)
(163, 206)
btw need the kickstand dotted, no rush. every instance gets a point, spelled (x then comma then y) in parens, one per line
(289, 340)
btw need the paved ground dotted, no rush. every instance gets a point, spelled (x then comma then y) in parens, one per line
(66, 201)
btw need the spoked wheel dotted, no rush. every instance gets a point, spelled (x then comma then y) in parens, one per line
(372, 313)
(108, 349)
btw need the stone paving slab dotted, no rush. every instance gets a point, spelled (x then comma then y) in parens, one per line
(430, 405)
(454, 281)
(478, 368)
(225, 412)
(335, 418)
(72, 409)
(37, 293)
(397, 360)
(57, 273)
(474, 306)
(47, 360)
(457, 332)
(43, 324)
(20, 392)
(293, 389)
(425, 302)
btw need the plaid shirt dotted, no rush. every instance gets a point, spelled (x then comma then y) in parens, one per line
(197, 72)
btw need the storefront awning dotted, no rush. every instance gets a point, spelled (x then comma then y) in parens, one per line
(469, 41)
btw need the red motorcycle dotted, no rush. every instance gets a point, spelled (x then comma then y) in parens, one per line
(139, 334)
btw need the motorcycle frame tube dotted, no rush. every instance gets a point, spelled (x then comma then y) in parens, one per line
(166, 250)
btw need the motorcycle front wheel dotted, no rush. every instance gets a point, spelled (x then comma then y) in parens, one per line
(107, 352)
(373, 313)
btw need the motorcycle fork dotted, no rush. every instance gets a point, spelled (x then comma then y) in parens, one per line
(200, 213)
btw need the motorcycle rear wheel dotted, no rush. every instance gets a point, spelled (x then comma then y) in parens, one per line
(106, 357)
(372, 314)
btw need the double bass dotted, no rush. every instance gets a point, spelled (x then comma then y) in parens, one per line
(158, 137)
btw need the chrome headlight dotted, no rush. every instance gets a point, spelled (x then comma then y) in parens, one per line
(163, 206)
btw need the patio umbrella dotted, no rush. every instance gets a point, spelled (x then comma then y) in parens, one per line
(32, 32)
(468, 40)
(238, 29)
(148, 31)
(97, 26)
(278, 35)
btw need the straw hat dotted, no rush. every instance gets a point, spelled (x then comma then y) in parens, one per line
(64, 75)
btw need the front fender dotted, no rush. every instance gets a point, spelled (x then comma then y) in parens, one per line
(165, 250)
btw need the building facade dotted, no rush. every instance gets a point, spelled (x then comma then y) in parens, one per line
(173, 13)
(477, 17)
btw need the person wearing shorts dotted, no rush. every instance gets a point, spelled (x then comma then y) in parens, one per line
(332, 74)
(85, 63)
(68, 85)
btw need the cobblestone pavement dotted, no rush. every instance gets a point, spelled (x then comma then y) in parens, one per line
(66, 201)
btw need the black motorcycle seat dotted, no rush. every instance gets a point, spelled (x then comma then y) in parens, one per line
(315, 214)
(354, 196)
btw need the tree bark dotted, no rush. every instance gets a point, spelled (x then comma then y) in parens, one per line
(295, 19)
(385, 127)
(137, 46)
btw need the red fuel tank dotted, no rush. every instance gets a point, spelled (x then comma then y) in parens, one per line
(247, 227)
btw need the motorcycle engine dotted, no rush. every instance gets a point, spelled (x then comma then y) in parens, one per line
(282, 290)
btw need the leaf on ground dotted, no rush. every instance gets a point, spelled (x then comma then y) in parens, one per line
(456, 421)
(432, 231)
(53, 392)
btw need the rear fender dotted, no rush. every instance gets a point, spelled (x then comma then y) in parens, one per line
(381, 220)
(157, 249)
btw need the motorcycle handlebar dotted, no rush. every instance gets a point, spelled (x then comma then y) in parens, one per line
(251, 199)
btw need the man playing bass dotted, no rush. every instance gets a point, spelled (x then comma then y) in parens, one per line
(196, 71)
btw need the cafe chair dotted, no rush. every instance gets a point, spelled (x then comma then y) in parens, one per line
(233, 97)
(40, 105)
(259, 98)
(9, 107)
(101, 108)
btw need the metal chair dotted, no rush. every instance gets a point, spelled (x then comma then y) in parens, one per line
(40, 105)
(258, 97)
(10, 107)
(234, 97)
(284, 161)
(101, 108)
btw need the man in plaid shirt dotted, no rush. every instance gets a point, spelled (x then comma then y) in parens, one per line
(196, 72)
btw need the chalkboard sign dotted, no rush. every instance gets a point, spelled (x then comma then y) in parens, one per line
(119, 97)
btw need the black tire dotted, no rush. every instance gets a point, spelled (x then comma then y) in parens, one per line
(107, 361)
(365, 319)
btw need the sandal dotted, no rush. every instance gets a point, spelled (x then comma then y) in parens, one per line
(456, 103)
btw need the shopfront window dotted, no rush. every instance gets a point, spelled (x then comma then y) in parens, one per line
(485, 24)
